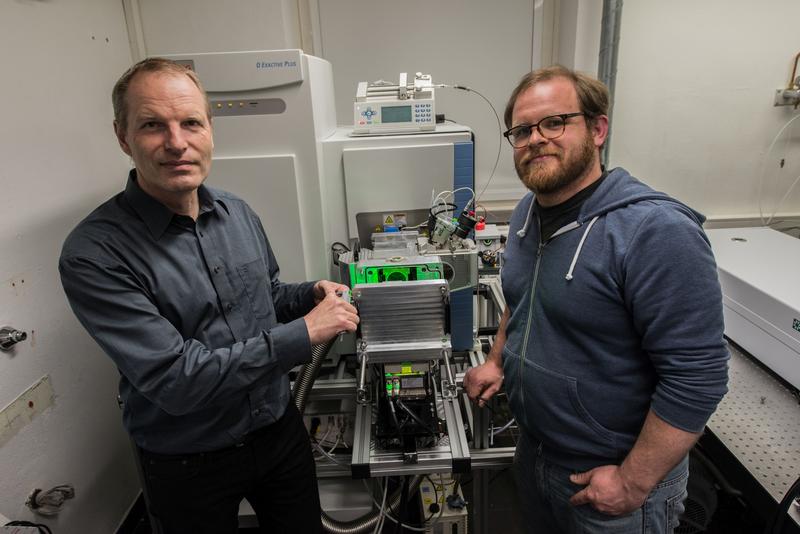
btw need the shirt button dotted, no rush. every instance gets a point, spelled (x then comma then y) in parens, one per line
(202, 234)
(257, 412)
(216, 270)
(229, 307)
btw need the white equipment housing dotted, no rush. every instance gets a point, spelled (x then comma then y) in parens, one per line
(370, 179)
(385, 107)
(390, 174)
(761, 299)
(448, 520)
(272, 109)
(397, 172)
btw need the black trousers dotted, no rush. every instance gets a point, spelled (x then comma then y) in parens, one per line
(273, 469)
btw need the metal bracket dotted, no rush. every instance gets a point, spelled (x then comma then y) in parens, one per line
(10, 336)
(787, 97)
(362, 396)
(449, 386)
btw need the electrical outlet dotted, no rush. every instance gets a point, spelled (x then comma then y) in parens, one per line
(24, 408)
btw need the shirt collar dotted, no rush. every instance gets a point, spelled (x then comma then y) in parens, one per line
(156, 215)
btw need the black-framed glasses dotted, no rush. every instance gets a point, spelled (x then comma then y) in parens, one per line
(551, 127)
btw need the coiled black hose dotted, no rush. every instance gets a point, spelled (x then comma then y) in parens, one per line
(301, 390)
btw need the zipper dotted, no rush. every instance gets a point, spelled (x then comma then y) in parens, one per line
(534, 279)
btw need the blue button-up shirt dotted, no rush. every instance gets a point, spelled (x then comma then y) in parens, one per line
(192, 313)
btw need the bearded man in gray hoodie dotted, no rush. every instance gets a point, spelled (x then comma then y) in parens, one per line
(611, 346)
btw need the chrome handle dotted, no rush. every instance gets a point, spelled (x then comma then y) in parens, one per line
(11, 336)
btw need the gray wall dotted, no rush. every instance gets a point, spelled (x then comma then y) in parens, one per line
(694, 114)
(483, 45)
(58, 160)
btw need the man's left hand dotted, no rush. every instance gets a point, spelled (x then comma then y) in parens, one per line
(324, 287)
(608, 491)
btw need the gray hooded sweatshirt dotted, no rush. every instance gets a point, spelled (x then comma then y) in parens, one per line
(617, 313)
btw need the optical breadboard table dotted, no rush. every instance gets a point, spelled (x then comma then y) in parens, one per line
(758, 421)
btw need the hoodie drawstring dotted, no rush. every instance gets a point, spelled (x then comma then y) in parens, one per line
(580, 246)
(524, 230)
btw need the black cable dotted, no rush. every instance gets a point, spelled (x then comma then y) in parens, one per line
(435, 499)
(456, 484)
(338, 248)
(415, 417)
(469, 480)
(448, 204)
(499, 140)
(775, 526)
(393, 412)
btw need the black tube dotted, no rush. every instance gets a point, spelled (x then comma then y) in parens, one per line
(775, 526)
(302, 388)
(308, 374)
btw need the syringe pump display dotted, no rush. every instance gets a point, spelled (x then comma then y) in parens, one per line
(383, 107)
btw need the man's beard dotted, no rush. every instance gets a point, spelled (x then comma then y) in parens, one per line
(541, 179)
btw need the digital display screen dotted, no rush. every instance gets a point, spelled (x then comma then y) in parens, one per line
(396, 114)
(412, 382)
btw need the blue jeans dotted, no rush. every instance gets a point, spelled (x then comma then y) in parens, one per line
(545, 489)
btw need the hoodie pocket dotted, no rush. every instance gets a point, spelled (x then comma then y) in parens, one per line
(559, 418)
(511, 376)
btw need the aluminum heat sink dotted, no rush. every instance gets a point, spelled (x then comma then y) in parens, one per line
(403, 320)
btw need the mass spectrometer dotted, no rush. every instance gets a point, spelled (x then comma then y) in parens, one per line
(271, 111)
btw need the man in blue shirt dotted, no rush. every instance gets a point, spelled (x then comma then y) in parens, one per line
(178, 284)
(611, 347)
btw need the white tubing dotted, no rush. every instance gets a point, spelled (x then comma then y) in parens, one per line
(766, 222)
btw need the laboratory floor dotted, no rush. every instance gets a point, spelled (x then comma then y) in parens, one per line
(730, 517)
(502, 509)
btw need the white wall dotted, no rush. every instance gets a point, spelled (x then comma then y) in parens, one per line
(579, 24)
(483, 45)
(196, 26)
(58, 160)
(693, 112)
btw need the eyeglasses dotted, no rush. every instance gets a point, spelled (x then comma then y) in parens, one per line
(549, 127)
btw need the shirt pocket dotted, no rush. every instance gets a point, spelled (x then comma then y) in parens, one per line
(255, 278)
